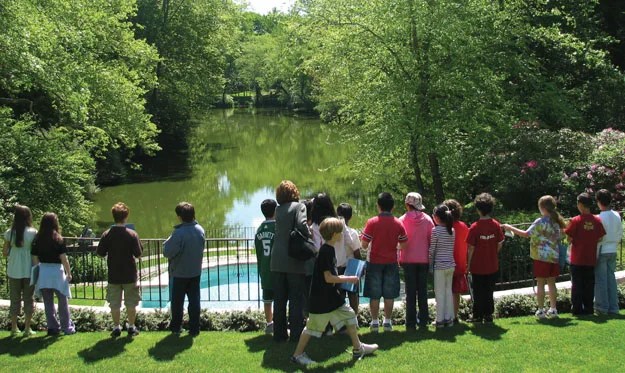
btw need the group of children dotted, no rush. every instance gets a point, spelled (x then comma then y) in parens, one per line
(456, 255)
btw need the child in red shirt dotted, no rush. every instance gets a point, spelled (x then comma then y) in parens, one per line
(584, 231)
(484, 242)
(386, 235)
(459, 282)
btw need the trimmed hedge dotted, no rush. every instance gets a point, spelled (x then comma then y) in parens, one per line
(87, 320)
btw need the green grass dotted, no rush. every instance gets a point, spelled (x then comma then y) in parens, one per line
(517, 344)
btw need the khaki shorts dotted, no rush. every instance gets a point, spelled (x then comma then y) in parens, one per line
(338, 318)
(132, 295)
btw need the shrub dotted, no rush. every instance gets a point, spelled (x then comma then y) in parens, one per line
(87, 267)
(88, 320)
(515, 305)
(604, 168)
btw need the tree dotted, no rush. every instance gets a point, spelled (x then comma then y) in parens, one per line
(193, 39)
(72, 81)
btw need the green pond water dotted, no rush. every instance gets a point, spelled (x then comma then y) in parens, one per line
(235, 159)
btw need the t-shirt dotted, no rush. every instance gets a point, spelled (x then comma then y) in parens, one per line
(485, 236)
(49, 252)
(324, 297)
(442, 248)
(384, 232)
(460, 246)
(263, 241)
(544, 237)
(585, 232)
(342, 247)
(121, 246)
(613, 226)
(353, 244)
(20, 262)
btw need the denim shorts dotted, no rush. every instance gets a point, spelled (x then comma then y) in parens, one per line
(268, 296)
(382, 281)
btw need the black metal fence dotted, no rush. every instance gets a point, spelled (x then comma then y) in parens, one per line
(230, 277)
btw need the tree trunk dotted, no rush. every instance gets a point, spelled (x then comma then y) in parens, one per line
(437, 179)
(416, 168)
(259, 94)
(159, 64)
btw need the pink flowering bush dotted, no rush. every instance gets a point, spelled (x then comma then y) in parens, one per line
(526, 163)
(604, 169)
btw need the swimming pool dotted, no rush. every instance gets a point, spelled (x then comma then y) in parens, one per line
(224, 287)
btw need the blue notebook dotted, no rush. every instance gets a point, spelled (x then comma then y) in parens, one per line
(354, 267)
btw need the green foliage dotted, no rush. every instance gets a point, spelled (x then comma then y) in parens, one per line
(87, 267)
(515, 305)
(604, 168)
(88, 320)
(193, 39)
(46, 170)
(520, 166)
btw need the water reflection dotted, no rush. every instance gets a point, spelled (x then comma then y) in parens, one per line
(237, 157)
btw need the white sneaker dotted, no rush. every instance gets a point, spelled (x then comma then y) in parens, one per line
(540, 314)
(374, 327)
(302, 359)
(552, 313)
(388, 327)
(365, 349)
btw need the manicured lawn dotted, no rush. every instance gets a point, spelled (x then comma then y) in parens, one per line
(517, 344)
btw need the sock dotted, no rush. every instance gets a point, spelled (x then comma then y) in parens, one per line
(387, 321)
(117, 327)
(131, 326)
(375, 322)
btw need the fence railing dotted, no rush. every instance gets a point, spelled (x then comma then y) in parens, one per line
(230, 277)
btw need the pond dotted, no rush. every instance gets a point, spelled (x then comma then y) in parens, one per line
(235, 159)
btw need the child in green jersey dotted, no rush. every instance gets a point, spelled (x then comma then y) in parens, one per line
(263, 242)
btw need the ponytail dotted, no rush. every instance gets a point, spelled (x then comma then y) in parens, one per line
(443, 214)
(548, 203)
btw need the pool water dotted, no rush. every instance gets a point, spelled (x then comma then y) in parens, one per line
(225, 287)
(228, 287)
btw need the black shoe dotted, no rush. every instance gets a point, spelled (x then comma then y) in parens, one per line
(53, 332)
(133, 331)
(116, 332)
(475, 320)
(194, 334)
(488, 320)
(456, 321)
(176, 332)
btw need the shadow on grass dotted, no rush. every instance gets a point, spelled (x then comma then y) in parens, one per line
(104, 349)
(600, 319)
(170, 346)
(492, 332)
(560, 322)
(277, 354)
(19, 346)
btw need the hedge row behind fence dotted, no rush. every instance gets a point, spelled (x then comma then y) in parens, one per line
(87, 320)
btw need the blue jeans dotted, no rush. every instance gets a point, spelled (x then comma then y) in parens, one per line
(180, 287)
(382, 281)
(606, 298)
(416, 281)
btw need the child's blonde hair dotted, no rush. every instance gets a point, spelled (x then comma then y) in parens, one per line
(330, 226)
(548, 203)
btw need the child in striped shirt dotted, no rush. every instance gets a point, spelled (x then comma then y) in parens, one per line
(442, 258)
